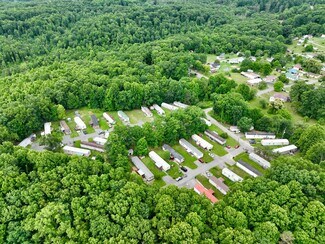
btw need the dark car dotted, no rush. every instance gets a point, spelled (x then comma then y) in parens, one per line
(184, 169)
(228, 146)
(201, 160)
(252, 141)
(85, 132)
(237, 146)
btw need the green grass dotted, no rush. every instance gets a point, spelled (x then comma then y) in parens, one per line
(239, 172)
(211, 58)
(217, 148)
(137, 115)
(205, 182)
(157, 173)
(238, 77)
(188, 159)
(77, 143)
(244, 156)
(174, 171)
(206, 157)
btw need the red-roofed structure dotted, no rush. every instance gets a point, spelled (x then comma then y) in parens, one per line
(200, 189)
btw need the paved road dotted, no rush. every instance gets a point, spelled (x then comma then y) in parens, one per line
(242, 143)
(199, 75)
(220, 162)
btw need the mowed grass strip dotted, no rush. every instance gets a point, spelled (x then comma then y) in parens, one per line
(217, 148)
(188, 159)
(245, 157)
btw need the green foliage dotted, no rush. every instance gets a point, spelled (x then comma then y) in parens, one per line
(141, 148)
(263, 103)
(283, 79)
(244, 124)
(309, 48)
(311, 136)
(278, 86)
(262, 85)
(52, 141)
(247, 93)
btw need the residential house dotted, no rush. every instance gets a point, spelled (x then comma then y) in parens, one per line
(219, 184)
(250, 75)
(231, 175)
(159, 110)
(286, 149)
(180, 105)
(261, 161)
(94, 121)
(169, 106)
(80, 125)
(159, 162)
(65, 128)
(146, 111)
(274, 142)
(123, 116)
(201, 142)
(201, 190)
(248, 168)
(259, 135)
(109, 118)
(76, 151)
(215, 137)
(190, 148)
(142, 169)
(92, 146)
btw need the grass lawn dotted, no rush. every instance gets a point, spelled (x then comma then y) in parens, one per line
(206, 157)
(157, 173)
(217, 173)
(137, 115)
(174, 171)
(239, 172)
(238, 77)
(217, 148)
(206, 183)
(246, 159)
(211, 58)
(77, 143)
(188, 159)
(230, 141)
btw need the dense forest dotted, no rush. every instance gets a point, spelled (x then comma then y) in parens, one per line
(120, 55)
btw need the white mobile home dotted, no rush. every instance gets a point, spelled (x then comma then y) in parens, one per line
(201, 142)
(47, 128)
(142, 169)
(234, 129)
(248, 168)
(76, 151)
(190, 148)
(286, 149)
(274, 142)
(207, 122)
(218, 183)
(180, 105)
(159, 162)
(159, 110)
(109, 118)
(259, 135)
(146, 111)
(231, 175)
(169, 106)
(261, 161)
(215, 137)
(99, 140)
(123, 116)
(80, 125)
(92, 146)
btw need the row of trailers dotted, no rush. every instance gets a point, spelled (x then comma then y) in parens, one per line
(96, 145)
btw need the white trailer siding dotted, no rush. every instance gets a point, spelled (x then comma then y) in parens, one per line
(99, 140)
(201, 142)
(231, 175)
(248, 169)
(159, 110)
(159, 162)
(215, 137)
(109, 118)
(259, 135)
(261, 161)
(180, 105)
(123, 116)
(207, 122)
(190, 148)
(274, 142)
(80, 124)
(146, 111)
(142, 169)
(169, 106)
(47, 128)
(286, 149)
(76, 151)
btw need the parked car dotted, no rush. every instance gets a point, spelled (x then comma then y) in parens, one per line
(252, 141)
(184, 169)
(212, 155)
(237, 146)
(101, 133)
(179, 178)
(201, 160)
(228, 146)
(208, 173)
(85, 132)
